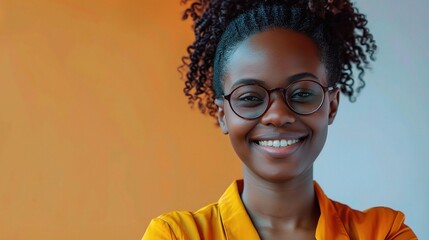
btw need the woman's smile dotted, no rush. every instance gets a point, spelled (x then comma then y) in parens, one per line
(277, 149)
(278, 145)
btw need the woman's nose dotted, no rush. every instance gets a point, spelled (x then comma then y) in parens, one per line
(278, 112)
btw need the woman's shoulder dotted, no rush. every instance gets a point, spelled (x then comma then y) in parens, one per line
(380, 222)
(379, 213)
(179, 224)
(207, 213)
(338, 219)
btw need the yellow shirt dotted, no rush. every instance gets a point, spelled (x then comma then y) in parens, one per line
(228, 219)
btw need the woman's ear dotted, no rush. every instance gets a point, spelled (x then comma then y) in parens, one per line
(334, 101)
(221, 115)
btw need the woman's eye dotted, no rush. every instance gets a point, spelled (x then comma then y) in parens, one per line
(250, 99)
(303, 96)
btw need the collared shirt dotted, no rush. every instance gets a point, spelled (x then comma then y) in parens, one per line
(228, 220)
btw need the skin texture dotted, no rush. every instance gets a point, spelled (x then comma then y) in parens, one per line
(278, 187)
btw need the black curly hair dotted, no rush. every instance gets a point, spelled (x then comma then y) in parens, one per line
(336, 26)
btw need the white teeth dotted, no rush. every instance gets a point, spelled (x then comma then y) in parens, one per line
(278, 143)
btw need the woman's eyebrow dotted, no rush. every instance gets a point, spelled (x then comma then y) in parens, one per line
(247, 81)
(292, 78)
(300, 76)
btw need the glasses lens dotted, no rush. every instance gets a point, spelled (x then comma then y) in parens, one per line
(249, 101)
(305, 97)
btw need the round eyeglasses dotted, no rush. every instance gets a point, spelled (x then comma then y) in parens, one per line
(251, 101)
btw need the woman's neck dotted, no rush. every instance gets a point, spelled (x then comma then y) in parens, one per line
(286, 206)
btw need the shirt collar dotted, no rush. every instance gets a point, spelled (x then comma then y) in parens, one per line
(236, 222)
(330, 225)
(238, 225)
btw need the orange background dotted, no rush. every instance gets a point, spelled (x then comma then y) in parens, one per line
(96, 137)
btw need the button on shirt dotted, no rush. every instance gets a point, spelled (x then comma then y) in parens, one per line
(228, 220)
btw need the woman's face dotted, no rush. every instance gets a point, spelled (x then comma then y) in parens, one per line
(275, 59)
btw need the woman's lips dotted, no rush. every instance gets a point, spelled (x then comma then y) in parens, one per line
(278, 148)
(278, 143)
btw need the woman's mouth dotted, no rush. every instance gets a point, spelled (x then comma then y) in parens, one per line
(279, 148)
(277, 143)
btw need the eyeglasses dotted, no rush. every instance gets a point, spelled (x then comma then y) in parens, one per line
(251, 101)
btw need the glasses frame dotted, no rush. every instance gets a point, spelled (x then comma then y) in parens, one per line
(284, 90)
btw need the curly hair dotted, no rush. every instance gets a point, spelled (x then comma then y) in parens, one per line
(336, 26)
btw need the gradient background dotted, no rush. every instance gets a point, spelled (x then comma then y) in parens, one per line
(96, 137)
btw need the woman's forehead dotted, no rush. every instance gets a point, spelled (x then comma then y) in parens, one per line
(273, 56)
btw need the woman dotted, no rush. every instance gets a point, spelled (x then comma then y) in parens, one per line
(271, 73)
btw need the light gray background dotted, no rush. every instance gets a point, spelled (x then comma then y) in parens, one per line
(377, 152)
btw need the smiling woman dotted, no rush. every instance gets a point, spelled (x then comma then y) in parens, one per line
(271, 73)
